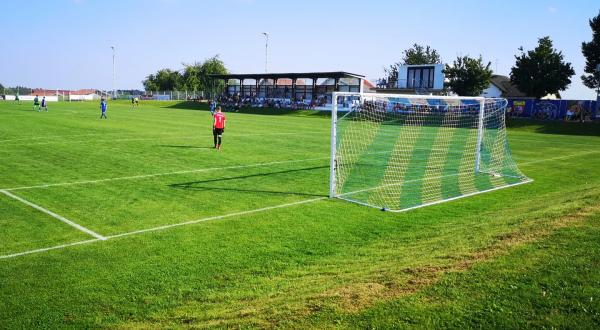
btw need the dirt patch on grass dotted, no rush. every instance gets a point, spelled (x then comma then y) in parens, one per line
(358, 296)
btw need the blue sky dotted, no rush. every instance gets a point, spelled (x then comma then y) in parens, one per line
(66, 43)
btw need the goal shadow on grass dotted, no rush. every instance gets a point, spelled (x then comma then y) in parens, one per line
(200, 185)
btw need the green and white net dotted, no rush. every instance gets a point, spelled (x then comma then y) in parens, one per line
(398, 153)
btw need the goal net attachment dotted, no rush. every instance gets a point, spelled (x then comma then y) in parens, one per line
(399, 152)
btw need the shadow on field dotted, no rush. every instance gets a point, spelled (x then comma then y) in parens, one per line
(203, 106)
(555, 127)
(198, 185)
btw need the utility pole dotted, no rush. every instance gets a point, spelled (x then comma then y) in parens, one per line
(113, 79)
(266, 50)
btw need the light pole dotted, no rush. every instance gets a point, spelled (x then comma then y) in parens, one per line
(266, 50)
(113, 80)
(598, 91)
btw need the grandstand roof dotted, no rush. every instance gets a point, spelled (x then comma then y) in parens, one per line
(291, 75)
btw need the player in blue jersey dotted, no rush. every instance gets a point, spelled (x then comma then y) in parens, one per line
(213, 107)
(103, 107)
(44, 105)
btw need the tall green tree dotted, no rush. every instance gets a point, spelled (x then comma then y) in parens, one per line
(591, 52)
(194, 77)
(417, 54)
(213, 65)
(541, 71)
(191, 77)
(163, 80)
(468, 76)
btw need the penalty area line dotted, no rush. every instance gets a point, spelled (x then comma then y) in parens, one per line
(143, 176)
(160, 228)
(218, 217)
(54, 215)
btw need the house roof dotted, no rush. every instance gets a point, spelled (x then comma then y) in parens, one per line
(508, 89)
(83, 92)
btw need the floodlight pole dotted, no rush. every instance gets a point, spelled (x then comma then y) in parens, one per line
(598, 91)
(113, 79)
(266, 50)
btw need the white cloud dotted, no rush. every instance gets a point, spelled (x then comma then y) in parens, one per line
(552, 9)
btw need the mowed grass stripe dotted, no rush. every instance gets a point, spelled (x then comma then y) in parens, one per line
(412, 187)
(432, 184)
(390, 194)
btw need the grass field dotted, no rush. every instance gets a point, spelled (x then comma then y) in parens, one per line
(135, 222)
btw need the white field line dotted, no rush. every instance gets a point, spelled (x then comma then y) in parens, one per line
(143, 176)
(56, 247)
(54, 215)
(159, 228)
(218, 217)
(53, 137)
(589, 144)
(173, 137)
(558, 158)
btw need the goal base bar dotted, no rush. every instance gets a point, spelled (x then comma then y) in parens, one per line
(436, 202)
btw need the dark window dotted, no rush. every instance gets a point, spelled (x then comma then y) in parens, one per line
(421, 77)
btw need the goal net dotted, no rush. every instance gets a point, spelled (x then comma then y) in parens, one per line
(399, 152)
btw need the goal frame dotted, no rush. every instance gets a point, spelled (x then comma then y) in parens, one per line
(361, 95)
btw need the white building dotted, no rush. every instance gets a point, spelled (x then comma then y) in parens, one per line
(500, 86)
(417, 79)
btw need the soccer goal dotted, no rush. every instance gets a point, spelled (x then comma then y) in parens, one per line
(400, 152)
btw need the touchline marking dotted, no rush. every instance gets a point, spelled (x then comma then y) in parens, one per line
(54, 215)
(134, 177)
(169, 137)
(142, 231)
(557, 158)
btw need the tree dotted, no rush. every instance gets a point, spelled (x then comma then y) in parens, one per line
(191, 77)
(417, 54)
(213, 65)
(468, 76)
(195, 77)
(421, 55)
(541, 71)
(591, 52)
(163, 80)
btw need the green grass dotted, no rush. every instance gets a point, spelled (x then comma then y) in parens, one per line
(521, 257)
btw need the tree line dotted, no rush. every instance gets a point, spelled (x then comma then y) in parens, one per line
(193, 77)
(537, 72)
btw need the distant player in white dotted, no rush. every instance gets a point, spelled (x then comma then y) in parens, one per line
(36, 104)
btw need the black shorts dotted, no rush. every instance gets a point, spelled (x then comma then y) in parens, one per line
(218, 131)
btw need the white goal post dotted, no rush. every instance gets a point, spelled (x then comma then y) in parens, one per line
(398, 152)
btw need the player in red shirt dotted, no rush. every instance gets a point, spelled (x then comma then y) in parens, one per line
(218, 127)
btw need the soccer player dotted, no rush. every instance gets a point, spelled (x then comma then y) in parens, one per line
(44, 105)
(218, 127)
(132, 102)
(103, 107)
(36, 103)
(213, 107)
(17, 98)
